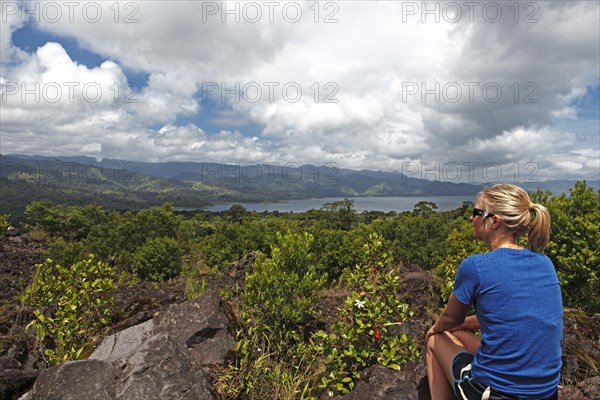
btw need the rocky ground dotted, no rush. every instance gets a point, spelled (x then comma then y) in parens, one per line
(20, 365)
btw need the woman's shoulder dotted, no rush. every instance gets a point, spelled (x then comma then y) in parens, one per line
(508, 255)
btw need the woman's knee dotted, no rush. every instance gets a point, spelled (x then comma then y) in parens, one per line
(433, 340)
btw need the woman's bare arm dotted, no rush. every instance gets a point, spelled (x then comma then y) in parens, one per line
(452, 317)
(471, 323)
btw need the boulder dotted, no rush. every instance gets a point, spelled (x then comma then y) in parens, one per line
(119, 345)
(13, 379)
(161, 368)
(202, 325)
(161, 358)
(571, 393)
(381, 383)
(12, 231)
(72, 379)
(590, 387)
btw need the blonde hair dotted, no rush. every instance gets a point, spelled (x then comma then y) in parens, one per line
(514, 207)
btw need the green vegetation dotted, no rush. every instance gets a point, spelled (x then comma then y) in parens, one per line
(574, 244)
(459, 245)
(364, 333)
(158, 259)
(281, 292)
(71, 305)
(573, 248)
(4, 224)
(288, 346)
(273, 360)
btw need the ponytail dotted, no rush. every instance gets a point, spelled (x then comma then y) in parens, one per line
(539, 231)
(519, 215)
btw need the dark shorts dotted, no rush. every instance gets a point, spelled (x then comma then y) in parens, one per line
(468, 388)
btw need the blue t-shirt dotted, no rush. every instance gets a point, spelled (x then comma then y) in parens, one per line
(518, 303)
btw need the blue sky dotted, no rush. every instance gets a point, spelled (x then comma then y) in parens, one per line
(393, 77)
(29, 38)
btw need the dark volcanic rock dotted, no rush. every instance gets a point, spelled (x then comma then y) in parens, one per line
(381, 383)
(119, 345)
(571, 393)
(161, 358)
(202, 325)
(586, 390)
(72, 379)
(161, 368)
(581, 345)
(420, 290)
(140, 302)
(591, 387)
(13, 379)
(17, 260)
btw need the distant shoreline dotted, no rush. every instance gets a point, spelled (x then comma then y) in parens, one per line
(362, 203)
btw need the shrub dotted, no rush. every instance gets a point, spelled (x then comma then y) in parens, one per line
(282, 290)
(365, 333)
(194, 267)
(459, 245)
(65, 252)
(71, 304)
(573, 246)
(158, 259)
(4, 223)
(272, 360)
(337, 250)
(418, 237)
(267, 369)
(69, 222)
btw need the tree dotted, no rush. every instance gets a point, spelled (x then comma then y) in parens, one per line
(236, 212)
(574, 244)
(69, 222)
(424, 208)
(459, 245)
(282, 290)
(158, 259)
(418, 237)
(342, 214)
(4, 223)
(72, 305)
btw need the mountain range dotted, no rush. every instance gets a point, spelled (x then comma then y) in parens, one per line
(124, 184)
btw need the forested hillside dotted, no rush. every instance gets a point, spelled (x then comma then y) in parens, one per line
(289, 337)
(129, 185)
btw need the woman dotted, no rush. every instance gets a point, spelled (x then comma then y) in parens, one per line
(518, 307)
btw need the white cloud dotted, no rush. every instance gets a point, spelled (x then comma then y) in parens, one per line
(400, 90)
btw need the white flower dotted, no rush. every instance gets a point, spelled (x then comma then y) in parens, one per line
(359, 304)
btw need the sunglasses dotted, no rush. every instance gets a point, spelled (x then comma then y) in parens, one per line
(479, 212)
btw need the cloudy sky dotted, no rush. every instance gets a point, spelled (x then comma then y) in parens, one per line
(440, 89)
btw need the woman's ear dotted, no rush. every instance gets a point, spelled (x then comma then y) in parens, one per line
(496, 222)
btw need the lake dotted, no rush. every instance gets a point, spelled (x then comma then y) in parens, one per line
(384, 204)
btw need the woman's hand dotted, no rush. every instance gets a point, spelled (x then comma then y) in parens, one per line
(471, 324)
(430, 333)
(452, 317)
